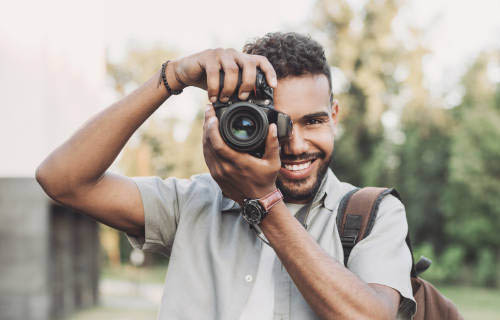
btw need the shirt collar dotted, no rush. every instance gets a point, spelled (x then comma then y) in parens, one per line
(328, 191)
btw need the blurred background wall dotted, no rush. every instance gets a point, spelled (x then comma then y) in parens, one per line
(419, 88)
(52, 62)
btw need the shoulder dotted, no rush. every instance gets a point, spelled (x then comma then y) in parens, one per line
(201, 187)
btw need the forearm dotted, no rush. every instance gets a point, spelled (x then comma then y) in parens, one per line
(84, 157)
(331, 290)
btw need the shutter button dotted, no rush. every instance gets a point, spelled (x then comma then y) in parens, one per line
(248, 278)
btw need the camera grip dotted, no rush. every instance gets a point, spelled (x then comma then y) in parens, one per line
(284, 125)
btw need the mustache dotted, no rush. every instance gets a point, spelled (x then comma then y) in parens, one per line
(302, 156)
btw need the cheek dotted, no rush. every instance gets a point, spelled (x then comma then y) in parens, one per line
(323, 140)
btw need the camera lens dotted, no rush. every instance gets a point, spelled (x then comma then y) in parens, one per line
(243, 127)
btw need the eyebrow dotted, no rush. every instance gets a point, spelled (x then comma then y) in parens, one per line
(315, 115)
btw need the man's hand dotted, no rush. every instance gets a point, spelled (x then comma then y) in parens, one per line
(202, 70)
(240, 175)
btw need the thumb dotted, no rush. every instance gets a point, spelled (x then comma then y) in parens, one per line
(272, 144)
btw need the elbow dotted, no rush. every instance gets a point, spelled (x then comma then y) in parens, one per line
(50, 185)
(43, 180)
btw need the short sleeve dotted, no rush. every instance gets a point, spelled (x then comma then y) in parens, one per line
(160, 199)
(383, 257)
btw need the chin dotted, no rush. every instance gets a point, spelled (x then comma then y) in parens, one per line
(302, 185)
(297, 190)
(302, 190)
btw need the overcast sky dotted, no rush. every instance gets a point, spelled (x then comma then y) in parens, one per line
(456, 29)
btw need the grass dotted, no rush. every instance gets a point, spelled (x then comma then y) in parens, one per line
(473, 302)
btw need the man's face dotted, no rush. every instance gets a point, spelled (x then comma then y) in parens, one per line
(306, 155)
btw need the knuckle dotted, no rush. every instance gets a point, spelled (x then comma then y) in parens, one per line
(246, 87)
(258, 57)
(217, 146)
(212, 68)
(232, 67)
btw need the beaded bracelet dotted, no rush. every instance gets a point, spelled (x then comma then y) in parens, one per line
(164, 78)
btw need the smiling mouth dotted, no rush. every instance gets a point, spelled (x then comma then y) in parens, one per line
(297, 166)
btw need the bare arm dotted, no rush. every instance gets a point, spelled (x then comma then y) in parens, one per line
(75, 173)
(331, 290)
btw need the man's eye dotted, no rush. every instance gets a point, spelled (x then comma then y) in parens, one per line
(314, 121)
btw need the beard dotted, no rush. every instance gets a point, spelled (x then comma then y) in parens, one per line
(297, 189)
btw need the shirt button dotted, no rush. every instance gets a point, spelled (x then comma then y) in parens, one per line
(248, 278)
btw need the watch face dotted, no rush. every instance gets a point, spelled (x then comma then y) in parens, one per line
(252, 212)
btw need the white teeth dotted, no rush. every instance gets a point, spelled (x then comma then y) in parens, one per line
(296, 167)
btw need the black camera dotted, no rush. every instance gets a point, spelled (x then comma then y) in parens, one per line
(244, 124)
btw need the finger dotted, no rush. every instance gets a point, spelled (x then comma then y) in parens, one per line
(213, 163)
(248, 77)
(272, 144)
(212, 70)
(231, 71)
(214, 139)
(209, 112)
(268, 70)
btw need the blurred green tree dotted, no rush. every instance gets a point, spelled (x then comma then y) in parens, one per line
(385, 79)
(366, 51)
(472, 202)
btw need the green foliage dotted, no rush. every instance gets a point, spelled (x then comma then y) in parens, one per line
(361, 51)
(471, 200)
(486, 272)
(421, 178)
(445, 268)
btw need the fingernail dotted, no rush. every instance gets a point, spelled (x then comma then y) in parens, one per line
(275, 131)
(244, 95)
(224, 99)
(274, 82)
(213, 99)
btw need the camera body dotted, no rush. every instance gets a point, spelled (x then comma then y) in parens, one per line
(244, 124)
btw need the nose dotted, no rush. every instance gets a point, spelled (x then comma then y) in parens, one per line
(295, 144)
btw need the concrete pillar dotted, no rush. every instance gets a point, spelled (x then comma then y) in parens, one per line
(24, 250)
(49, 255)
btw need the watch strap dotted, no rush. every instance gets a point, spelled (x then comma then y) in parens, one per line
(270, 200)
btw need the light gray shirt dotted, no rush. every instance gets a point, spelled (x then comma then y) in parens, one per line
(214, 255)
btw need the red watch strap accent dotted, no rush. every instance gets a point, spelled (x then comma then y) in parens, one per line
(271, 199)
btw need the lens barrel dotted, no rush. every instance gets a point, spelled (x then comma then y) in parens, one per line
(244, 126)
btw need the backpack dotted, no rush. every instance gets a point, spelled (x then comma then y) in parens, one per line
(355, 219)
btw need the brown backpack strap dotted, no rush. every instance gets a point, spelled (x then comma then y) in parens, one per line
(357, 213)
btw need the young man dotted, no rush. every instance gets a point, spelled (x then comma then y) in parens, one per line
(219, 268)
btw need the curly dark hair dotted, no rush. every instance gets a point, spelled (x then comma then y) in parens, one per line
(291, 54)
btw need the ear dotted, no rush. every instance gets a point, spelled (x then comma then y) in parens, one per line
(335, 111)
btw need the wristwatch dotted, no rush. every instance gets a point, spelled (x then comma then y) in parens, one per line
(255, 210)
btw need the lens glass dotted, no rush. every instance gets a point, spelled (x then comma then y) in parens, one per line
(243, 127)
